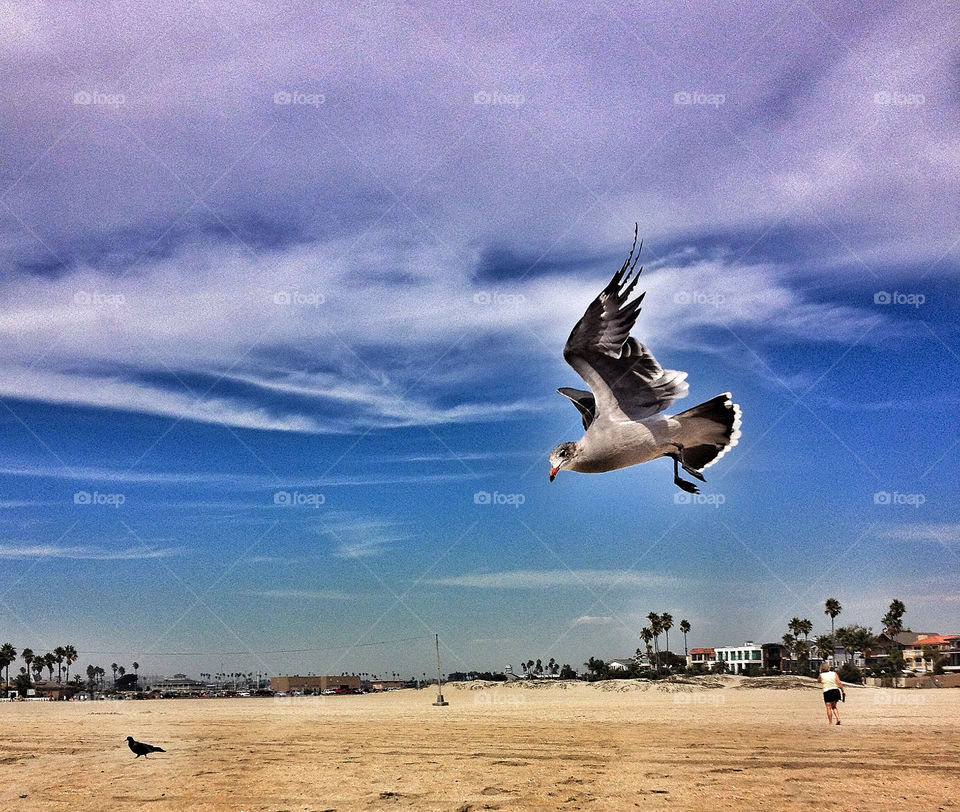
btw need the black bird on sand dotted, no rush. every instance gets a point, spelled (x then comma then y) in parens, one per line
(142, 749)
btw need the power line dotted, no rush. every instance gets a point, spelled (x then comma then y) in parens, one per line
(273, 651)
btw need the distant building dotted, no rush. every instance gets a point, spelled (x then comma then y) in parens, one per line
(702, 656)
(916, 659)
(386, 684)
(179, 685)
(774, 657)
(880, 650)
(286, 684)
(745, 659)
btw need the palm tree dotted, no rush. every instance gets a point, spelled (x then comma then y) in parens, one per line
(37, 666)
(69, 656)
(806, 626)
(59, 653)
(8, 655)
(825, 643)
(833, 608)
(789, 643)
(49, 661)
(28, 656)
(860, 639)
(685, 627)
(656, 627)
(91, 676)
(646, 635)
(893, 619)
(136, 670)
(113, 667)
(795, 626)
(666, 622)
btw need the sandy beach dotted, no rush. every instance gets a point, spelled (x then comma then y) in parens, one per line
(616, 745)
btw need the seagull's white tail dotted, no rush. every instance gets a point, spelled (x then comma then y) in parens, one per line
(707, 431)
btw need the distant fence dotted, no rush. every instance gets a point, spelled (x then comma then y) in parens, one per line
(931, 681)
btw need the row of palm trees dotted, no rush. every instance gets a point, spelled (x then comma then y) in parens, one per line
(850, 638)
(661, 624)
(61, 658)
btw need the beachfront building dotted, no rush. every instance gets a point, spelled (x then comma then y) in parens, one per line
(774, 657)
(879, 652)
(745, 659)
(296, 682)
(702, 656)
(925, 651)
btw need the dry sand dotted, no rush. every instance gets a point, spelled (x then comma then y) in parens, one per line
(618, 745)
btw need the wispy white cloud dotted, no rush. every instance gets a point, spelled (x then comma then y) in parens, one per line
(592, 620)
(546, 579)
(302, 594)
(14, 551)
(358, 537)
(941, 532)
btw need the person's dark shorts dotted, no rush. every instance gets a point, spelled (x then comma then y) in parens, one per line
(833, 695)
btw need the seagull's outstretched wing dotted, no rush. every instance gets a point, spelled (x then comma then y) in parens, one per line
(626, 380)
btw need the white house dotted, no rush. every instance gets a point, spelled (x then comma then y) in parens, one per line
(741, 659)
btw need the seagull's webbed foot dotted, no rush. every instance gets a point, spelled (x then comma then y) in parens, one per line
(689, 487)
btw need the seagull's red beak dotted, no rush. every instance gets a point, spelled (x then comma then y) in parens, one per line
(553, 473)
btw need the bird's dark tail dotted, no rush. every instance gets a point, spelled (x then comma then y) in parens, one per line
(708, 431)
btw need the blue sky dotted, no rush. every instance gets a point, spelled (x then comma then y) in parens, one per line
(285, 255)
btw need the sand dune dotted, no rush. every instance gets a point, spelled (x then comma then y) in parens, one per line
(618, 745)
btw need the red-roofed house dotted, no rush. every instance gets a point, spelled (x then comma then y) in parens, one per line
(702, 656)
(927, 649)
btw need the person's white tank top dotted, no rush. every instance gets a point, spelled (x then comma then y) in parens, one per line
(828, 679)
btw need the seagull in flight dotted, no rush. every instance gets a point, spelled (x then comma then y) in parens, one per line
(622, 412)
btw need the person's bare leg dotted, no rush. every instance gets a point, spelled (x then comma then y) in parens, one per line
(836, 713)
(829, 713)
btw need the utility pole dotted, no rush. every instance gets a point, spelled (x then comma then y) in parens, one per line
(440, 700)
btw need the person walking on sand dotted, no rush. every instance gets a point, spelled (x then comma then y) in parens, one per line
(832, 691)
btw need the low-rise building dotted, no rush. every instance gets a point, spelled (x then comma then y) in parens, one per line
(745, 659)
(702, 656)
(386, 684)
(179, 685)
(296, 682)
(925, 651)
